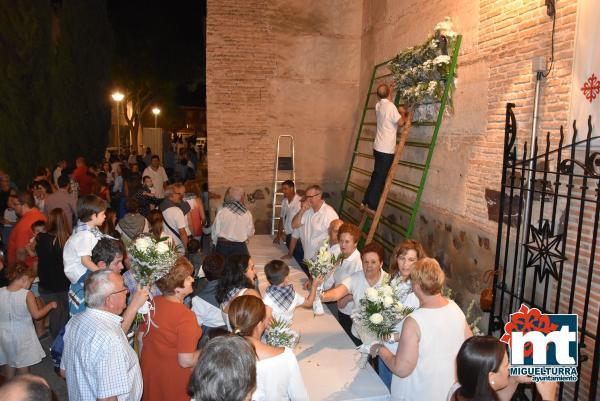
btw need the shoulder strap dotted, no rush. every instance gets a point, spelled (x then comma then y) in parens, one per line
(172, 230)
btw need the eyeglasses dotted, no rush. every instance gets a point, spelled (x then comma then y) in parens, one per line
(120, 291)
(312, 196)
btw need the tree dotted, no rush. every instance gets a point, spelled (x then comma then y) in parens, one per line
(53, 83)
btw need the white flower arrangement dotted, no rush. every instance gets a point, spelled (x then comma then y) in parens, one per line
(380, 312)
(279, 334)
(417, 67)
(322, 264)
(151, 259)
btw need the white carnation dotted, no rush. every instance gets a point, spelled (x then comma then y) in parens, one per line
(399, 306)
(376, 318)
(388, 301)
(441, 59)
(162, 247)
(142, 244)
(371, 294)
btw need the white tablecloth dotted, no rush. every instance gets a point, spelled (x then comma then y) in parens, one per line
(328, 360)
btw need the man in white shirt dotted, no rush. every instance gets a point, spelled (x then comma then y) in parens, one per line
(290, 206)
(233, 224)
(384, 147)
(158, 175)
(98, 361)
(313, 222)
(174, 219)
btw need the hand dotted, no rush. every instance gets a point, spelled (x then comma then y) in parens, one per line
(374, 351)
(53, 305)
(286, 256)
(318, 281)
(547, 390)
(277, 239)
(304, 206)
(140, 297)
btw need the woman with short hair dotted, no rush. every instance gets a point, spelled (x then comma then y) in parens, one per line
(226, 370)
(278, 375)
(424, 365)
(348, 235)
(169, 347)
(355, 285)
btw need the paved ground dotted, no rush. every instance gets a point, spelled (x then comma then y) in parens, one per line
(46, 370)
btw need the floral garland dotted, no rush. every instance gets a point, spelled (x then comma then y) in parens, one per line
(420, 72)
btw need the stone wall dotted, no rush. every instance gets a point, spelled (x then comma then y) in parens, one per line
(280, 68)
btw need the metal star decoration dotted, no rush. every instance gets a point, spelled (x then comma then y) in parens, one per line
(543, 252)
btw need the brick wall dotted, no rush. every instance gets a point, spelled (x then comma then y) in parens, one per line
(280, 68)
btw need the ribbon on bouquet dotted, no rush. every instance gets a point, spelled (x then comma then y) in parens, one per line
(317, 304)
(145, 310)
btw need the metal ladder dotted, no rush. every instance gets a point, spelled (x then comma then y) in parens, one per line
(408, 175)
(287, 166)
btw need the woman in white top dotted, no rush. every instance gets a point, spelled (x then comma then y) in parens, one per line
(406, 254)
(277, 372)
(348, 236)
(424, 365)
(355, 285)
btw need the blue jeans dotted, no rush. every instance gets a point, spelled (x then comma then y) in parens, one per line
(384, 373)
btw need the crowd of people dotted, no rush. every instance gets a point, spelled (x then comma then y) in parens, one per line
(67, 270)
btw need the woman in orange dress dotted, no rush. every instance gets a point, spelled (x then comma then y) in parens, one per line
(169, 349)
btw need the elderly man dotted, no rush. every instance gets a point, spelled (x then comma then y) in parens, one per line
(233, 224)
(98, 361)
(384, 147)
(313, 221)
(158, 175)
(334, 242)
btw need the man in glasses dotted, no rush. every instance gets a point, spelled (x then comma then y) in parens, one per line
(313, 222)
(98, 361)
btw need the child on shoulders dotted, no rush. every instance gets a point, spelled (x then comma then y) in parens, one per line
(77, 254)
(280, 294)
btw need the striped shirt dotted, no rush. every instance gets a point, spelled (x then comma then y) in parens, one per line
(97, 359)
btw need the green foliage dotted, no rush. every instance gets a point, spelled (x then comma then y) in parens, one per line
(53, 84)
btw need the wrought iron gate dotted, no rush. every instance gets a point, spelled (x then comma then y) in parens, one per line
(548, 239)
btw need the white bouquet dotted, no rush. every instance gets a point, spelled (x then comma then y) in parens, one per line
(322, 264)
(380, 312)
(279, 334)
(151, 259)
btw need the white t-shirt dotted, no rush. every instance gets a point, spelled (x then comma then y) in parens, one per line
(387, 126)
(349, 266)
(314, 228)
(176, 219)
(278, 312)
(279, 378)
(288, 211)
(79, 244)
(357, 284)
(158, 178)
(232, 226)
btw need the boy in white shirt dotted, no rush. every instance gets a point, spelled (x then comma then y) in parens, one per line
(280, 295)
(77, 254)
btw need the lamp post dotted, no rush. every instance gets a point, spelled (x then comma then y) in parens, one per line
(117, 97)
(156, 112)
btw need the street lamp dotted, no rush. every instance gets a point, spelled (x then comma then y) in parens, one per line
(156, 112)
(117, 97)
